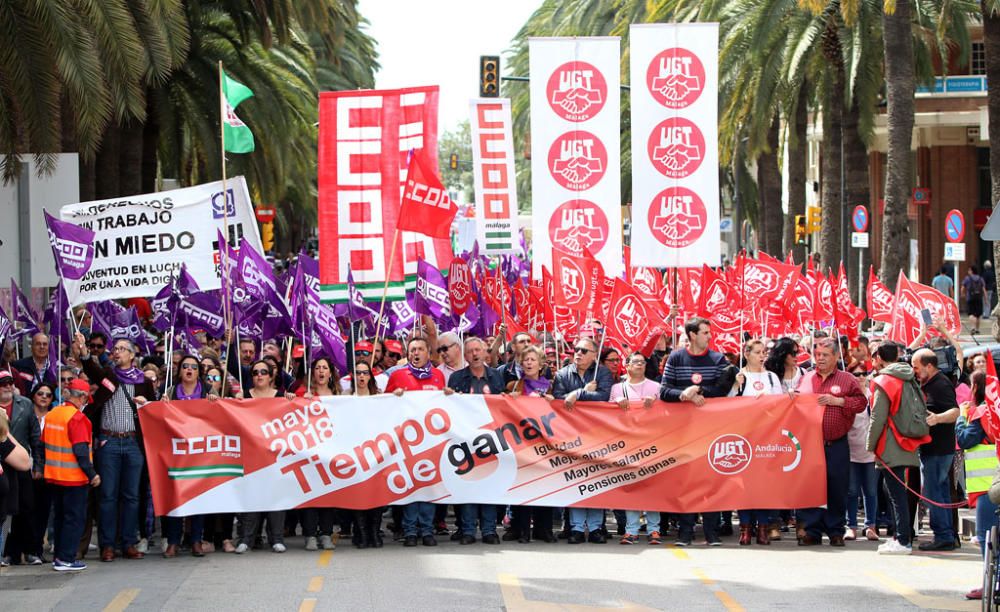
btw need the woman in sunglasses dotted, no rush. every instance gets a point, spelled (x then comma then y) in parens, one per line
(262, 386)
(368, 523)
(218, 527)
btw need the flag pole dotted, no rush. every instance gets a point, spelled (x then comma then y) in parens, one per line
(224, 252)
(385, 291)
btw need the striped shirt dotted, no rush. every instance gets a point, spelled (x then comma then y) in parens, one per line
(684, 369)
(117, 414)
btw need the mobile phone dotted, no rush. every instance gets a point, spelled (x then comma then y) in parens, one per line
(925, 314)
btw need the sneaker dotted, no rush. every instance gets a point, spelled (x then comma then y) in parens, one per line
(893, 547)
(4, 561)
(242, 548)
(654, 539)
(142, 546)
(278, 547)
(326, 542)
(62, 566)
(714, 542)
(628, 539)
(682, 542)
(33, 560)
(311, 543)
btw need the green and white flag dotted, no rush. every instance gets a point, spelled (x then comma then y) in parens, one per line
(236, 135)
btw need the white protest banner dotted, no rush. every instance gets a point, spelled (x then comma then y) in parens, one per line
(575, 137)
(675, 157)
(141, 241)
(493, 172)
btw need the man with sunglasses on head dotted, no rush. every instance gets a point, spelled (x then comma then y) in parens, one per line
(120, 389)
(584, 380)
(691, 375)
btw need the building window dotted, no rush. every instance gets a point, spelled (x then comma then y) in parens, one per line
(977, 61)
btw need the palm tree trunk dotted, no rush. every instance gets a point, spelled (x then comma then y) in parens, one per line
(991, 38)
(857, 190)
(150, 137)
(107, 165)
(769, 186)
(829, 233)
(899, 79)
(130, 164)
(797, 153)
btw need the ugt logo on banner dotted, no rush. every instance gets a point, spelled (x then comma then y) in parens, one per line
(578, 160)
(577, 91)
(675, 77)
(578, 225)
(676, 147)
(677, 217)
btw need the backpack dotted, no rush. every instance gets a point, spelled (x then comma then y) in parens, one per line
(908, 417)
(977, 286)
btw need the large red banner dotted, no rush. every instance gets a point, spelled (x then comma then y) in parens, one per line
(365, 139)
(257, 455)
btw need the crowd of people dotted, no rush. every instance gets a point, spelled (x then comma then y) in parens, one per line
(73, 457)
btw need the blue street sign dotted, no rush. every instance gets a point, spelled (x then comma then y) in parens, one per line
(860, 219)
(954, 226)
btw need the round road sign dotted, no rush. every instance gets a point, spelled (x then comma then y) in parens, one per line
(954, 226)
(860, 218)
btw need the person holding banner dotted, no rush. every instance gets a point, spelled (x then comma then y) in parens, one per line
(841, 397)
(637, 390)
(418, 375)
(322, 377)
(120, 389)
(587, 381)
(367, 523)
(691, 375)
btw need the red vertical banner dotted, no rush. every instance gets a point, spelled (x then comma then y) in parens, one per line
(365, 139)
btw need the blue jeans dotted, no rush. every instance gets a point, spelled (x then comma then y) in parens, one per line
(484, 514)
(418, 519)
(582, 518)
(900, 503)
(173, 528)
(70, 504)
(863, 481)
(832, 519)
(935, 470)
(632, 522)
(986, 518)
(760, 518)
(120, 464)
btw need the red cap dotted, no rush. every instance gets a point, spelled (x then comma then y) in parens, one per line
(394, 346)
(78, 384)
(298, 351)
(364, 345)
(6, 374)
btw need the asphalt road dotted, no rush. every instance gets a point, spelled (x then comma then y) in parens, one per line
(512, 576)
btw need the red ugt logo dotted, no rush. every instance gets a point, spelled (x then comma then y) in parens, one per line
(577, 160)
(675, 78)
(576, 91)
(677, 217)
(676, 147)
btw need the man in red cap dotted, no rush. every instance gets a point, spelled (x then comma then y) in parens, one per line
(393, 353)
(363, 352)
(69, 469)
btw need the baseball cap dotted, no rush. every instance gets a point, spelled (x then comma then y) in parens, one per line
(78, 384)
(394, 346)
(364, 345)
(5, 374)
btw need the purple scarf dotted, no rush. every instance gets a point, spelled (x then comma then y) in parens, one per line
(180, 395)
(132, 376)
(420, 373)
(536, 385)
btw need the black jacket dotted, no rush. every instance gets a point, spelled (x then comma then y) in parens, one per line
(107, 382)
(461, 381)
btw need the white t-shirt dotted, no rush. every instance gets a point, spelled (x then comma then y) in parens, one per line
(381, 380)
(760, 383)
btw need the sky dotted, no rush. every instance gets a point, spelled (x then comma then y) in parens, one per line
(438, 42)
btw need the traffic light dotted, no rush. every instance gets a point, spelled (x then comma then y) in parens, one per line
(489, 76)
(800, 229)
(453, 161)
(812, 219)
(267, 235)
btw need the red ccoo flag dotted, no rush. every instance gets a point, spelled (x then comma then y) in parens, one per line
(426, 207)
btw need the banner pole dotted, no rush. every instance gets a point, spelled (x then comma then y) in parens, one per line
(385, 291)
(239, 361)
(224, 251)
(354, 363)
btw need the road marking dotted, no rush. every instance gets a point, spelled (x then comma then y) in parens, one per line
(324, 558)
(122, 600)
(315, 584)
(680, 554)
(308, 604)
(703, 577)
(514, 600)
(728, 601)
(923, 601)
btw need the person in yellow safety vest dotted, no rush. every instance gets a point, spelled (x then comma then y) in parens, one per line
(981, 462)
(69, 468)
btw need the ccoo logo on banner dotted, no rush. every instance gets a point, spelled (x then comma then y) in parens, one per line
(576, 177)
(675, 158)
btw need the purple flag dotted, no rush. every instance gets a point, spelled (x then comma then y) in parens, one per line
(204, 310)
(431, 296)
(187, 341)
(327, 331)
(355, 309)
(164, 305)
(126, 325)
(5, 327)
(256, 275)
(22, 316)
(228, 263)
(402, 313)
(72, 246)
(56, 313)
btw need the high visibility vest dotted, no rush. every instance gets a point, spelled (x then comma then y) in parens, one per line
(980, 466)
(60, 463)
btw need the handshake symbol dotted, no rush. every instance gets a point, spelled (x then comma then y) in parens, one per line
(576, 100)
(577, 169)
(676, 157)
(677, 226)
(676, 87)
(575, 239)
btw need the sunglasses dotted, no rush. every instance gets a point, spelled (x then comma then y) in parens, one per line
(362, 373)
(584, 350)
(66, 380)
(119, 349)
(189, 366)
(262, 372)
(6, 381)
(96, 345)
(444, 349)
(363, 353)
(394, 355)
(213, 378)
(43, 394)
(613, 359)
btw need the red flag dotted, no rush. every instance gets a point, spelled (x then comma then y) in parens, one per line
(578, 281)
(607, 286)
(630, 320)
(911, 298)
(689, 290)
(460, 293)
(823, 302)
(426, 207)
(715, 294)
(880, 300)
(765, 280)
(989, 413)
(847, 315)
(800, 306)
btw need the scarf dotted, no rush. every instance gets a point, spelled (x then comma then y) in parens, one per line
(180, 395)
(132, 376)
(536, 385)
(420, 373)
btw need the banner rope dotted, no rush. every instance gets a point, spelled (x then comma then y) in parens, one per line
(961, 504)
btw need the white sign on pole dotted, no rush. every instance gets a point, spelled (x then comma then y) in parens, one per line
(493, 174)
(576, 144)
(141, 241)
(675, 158)
(859, 240)
(954, 251)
